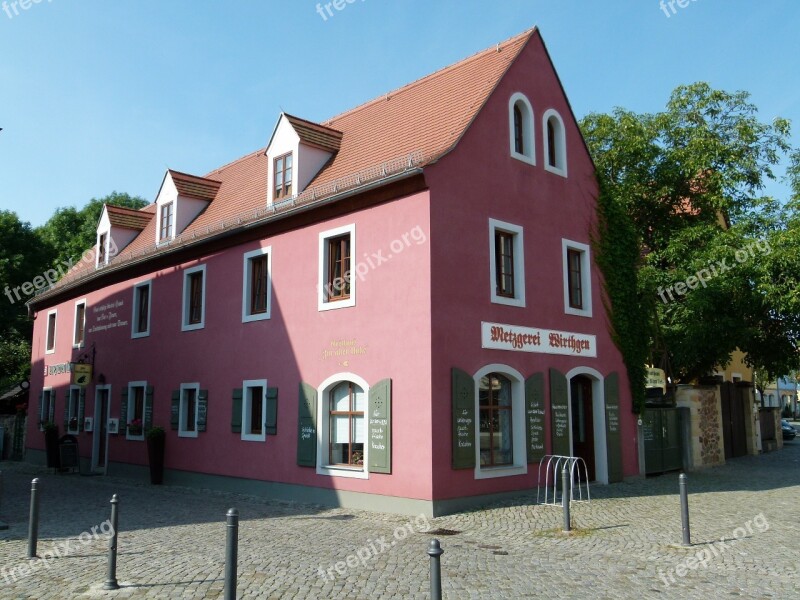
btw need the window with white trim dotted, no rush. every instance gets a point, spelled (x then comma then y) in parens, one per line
(79, 325)
(555, 143)
(257, 285)
(187, 413)
(134, 415)
(194, 298)
(520, 122)
(337, 286)
(73, 404)
(140, 319)
(102, 249)
(254, 410)
(342, 449)
(166, 222)
(50, 339)
(506, 263)
(577, 278)
(46, 407)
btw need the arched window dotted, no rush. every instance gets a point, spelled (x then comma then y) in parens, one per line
(496, 430)
(347, 404)
(520, 121)
(555, 144)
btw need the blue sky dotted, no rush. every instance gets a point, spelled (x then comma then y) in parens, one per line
(103, 96)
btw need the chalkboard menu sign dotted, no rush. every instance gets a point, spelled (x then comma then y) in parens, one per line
(307, 426)
(380, 427)
(68, 454)
(463, 407)
(202, 410)
(559, 410)
(534, 417)
(613, 433)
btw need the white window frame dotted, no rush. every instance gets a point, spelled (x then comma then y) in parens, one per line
(47, 332)
(561, 143)
(70, 413)
(586, 277)
(246, 401)
(323, 429)
(528, 137)
(520, 465)
(97, 262)
(171, 236)
(185, 325)
(322, 294)
(519, 263)
(75, 323)
(44, 415)
(129, 412)
(135, 312)
(247, 316)
(735, 376)
(182, 409)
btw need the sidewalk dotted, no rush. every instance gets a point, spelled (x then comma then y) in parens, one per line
(172, 542)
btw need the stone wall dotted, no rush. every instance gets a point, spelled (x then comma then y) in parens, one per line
(707, 447)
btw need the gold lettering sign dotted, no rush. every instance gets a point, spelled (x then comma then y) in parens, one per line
(81, 374)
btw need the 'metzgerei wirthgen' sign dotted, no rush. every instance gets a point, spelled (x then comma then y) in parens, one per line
(527, 339)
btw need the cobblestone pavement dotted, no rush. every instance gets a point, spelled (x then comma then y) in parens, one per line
(626, 544)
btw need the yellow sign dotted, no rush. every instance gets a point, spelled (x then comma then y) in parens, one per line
(657, 378)
(81, 374)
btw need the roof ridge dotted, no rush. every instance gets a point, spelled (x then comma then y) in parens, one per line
(450, 67)
(291, 116)
(233, 162)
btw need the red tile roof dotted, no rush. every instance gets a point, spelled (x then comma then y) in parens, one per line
(129, 218)
(410, 127)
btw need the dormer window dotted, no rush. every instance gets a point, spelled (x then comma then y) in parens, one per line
(101, 249)
(283, 176)
(520, 123)
(166, 221)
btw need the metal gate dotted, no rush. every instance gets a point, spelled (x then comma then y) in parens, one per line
(662, 440)
(733, 415)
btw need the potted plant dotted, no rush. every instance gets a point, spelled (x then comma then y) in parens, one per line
(135, 427)
(156, 438)
(51, 444)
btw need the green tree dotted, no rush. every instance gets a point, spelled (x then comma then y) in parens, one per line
(713, 251)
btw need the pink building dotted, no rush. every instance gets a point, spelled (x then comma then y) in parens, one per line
(397, 309)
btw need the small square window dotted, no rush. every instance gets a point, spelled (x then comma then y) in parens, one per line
(257, 285)
(506, 263)
(194, 291)
(577, 279)
(79, 330)
(141, 310)
(51, 332)
(337, 286)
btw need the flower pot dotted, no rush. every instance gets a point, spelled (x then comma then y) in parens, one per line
(155, 455)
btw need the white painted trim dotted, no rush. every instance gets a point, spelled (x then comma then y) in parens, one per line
(322, 296)
(171, 236)
(182, 409)
(44, 418)
(598, 419)
(185, 326)
(528, 134)
(247, 280)
(135, 311)
(323, 428)
(586, 277)
(249, 437)
(519, 264)
(735, 375)
(561, 143)
(47, 332)
(75, 323)
(96, 441)
(520, 466)
(70, 415)
(128, 413)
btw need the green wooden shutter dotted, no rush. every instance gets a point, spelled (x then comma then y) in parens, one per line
(66, 410)
(175, 410)
(81, 408)
(613, 432)
(148, 409)
(559, 412)
(272, 411)
(52, 415)
(463, 415)
(307, 426)
(236, 411)
(41, 409)
(379, 431)
(123, 411)
(534, 417)
(202, 410)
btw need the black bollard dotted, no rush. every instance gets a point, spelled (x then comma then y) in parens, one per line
(435, 552)
(684, 509)
(33, 522)
(111, 580)
(231, 553)
(565, 498)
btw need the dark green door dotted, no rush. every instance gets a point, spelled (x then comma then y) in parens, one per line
(661, 428)
(651, 431)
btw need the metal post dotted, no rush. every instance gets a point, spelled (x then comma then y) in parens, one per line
(231, 553)
(111, 580)
(684, 510)
(33, 521)
(565, 498)
(435, 552)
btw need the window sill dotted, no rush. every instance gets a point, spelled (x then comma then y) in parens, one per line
(253, 438)
(193, 327)
(256, 317)
(141, 334)
(556, 171)
(524, 158)
(335, 304)
(505, 300)
(506, 471)
(133, 438)
(187, 434)
(578, 312)
(336, 471)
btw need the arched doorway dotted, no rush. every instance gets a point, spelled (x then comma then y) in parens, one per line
(587, 408)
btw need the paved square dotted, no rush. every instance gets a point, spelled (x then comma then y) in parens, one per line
(627, 545)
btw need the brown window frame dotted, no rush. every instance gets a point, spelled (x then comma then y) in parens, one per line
(351, 415)
(195, 312)
(338, 286)
(504, 280)
(284, 190)
(52, 320)
(259, 284)
(489, 410)
(79, 337)
(101, 249)
(519, 129)
(143, 308)
(575, 278)
(166, 221)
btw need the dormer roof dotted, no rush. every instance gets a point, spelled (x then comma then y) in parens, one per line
(191, 186)
(128, 218)
(314, 134)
